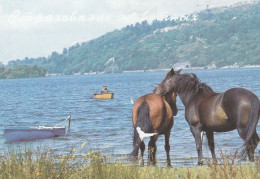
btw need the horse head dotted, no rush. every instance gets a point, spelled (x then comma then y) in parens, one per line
(168, 83)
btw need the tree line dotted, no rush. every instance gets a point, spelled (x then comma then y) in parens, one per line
(21, 72)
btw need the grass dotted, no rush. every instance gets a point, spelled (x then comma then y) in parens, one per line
(43, 164)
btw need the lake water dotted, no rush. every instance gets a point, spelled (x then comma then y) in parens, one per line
(106, 124)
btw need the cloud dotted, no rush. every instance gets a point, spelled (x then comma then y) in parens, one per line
(1, 9)
(116, 12)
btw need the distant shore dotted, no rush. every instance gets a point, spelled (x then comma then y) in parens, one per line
(162, 69)
(192, 68)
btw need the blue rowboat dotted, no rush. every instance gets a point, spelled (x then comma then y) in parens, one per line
(33, 133)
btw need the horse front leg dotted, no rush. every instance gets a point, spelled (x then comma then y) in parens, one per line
(210, 137)
(167, 148)
(196, 131)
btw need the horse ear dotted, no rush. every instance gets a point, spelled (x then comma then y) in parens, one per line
(179, 71)
(194, 75)
(172, 71)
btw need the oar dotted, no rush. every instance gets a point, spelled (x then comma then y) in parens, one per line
(69, 122)
(93, 95)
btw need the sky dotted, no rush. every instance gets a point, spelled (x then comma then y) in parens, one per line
(34, 28)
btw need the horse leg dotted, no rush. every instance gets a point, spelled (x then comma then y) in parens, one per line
(136, 142)
(167, 148)
(152, 148)
(252, 146)
(197, 136)
(142, 148)
(249, 148)
(210, 137)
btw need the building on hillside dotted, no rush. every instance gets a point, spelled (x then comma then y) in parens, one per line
(212, 65)
(235, 65)
(111, 60)
(182, 65)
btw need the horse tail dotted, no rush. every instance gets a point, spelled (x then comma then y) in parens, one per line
(259, 108)
(144, 121)
(253, 119)
(143, 127)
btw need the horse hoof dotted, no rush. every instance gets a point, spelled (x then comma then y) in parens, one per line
(214, 162)
(200, 163)
(141, 163)
(169, 166)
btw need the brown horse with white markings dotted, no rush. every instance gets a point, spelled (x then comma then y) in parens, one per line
(152, 115)
(206, 110)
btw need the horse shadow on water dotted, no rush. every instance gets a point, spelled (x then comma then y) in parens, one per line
(152, 115)
(206, 111)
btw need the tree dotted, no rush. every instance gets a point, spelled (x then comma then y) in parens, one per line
(65, 51)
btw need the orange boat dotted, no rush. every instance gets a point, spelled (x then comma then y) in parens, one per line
(103, 96)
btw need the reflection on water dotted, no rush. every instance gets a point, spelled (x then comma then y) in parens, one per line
(106, 124)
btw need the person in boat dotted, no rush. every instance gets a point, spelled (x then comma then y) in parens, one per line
(104, 90)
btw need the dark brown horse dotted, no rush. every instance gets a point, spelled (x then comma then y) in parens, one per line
(206, 110)
(152, 115)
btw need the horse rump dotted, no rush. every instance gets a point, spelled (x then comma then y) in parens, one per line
(252, 138)
(144, 123)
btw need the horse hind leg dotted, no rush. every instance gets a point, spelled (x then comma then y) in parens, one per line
(252, 146)
(142, 148)
(167, 148)
(242, 133)
(136, 145)
(152, 148)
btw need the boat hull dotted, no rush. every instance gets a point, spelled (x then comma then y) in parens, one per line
(104, 96)
(33, 133)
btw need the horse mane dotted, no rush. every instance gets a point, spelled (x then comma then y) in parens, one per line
(190, 83)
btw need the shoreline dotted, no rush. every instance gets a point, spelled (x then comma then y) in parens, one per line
(155, 70)
(192, 68)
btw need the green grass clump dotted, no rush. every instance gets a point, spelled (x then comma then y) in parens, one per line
(75, 164)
